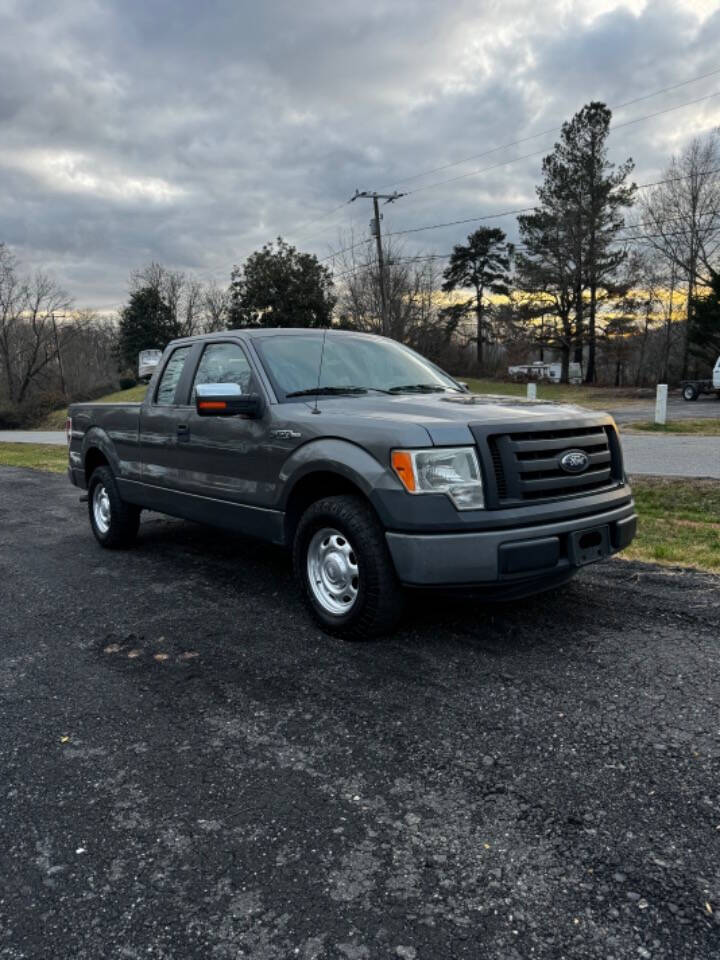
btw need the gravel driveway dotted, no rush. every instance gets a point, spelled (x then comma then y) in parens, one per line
(191, 770)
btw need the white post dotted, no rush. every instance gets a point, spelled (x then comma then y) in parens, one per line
(532, 391)
(661, 403)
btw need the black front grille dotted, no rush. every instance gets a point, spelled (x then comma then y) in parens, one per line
(527, 465)
(498, 467)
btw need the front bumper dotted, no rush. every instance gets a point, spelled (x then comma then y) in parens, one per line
(515, 555)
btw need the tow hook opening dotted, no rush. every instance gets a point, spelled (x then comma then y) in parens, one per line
(590, 539)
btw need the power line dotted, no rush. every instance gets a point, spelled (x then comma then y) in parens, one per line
(535, 153)
(491, 216)
(298, 234)
(321, 216)
(545, 133)
(641, 238)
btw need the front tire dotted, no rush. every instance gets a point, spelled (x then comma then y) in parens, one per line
(344, 569)
(114, 522)
(689, 392)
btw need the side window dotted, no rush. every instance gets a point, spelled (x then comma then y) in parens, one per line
(165, 394)
(223, 363)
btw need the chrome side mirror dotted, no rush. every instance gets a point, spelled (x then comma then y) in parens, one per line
(227, 400)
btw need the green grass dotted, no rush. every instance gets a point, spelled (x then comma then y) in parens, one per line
(706, 428)
(39, 456)
(679, 522)
(598, 397)
(56, 419)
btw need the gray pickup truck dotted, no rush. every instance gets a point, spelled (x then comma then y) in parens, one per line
(374, 466)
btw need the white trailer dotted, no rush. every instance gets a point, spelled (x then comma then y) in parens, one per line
(691, 389)
(550, 372)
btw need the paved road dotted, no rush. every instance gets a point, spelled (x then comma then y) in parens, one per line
(671, 456)
(704, 408)
(54, 437)
(191, 770)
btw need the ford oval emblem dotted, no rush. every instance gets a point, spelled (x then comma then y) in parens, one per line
(574, 461)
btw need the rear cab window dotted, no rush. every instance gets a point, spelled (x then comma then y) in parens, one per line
(168, 383)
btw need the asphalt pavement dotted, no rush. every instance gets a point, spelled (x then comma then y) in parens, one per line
(668, 455)
(706, 407)
(53, 437)
(190, 769)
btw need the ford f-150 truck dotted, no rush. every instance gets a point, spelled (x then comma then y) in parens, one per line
(375, 467)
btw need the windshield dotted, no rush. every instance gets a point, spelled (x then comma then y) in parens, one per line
(352, 365)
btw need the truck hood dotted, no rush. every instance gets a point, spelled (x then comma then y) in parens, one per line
(447, 418)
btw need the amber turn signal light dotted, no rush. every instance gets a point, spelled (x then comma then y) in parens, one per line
(403, 466)
(212, 405)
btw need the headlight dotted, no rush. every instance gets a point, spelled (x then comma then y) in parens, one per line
(451, 470)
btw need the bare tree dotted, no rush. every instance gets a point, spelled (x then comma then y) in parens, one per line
(182, 294)
(29, 344)
(216, 306)
(682, 217)
(413, 310)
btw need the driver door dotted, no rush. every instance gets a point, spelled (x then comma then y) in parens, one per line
(223, 458)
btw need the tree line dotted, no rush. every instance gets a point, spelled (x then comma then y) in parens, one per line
(624, 280)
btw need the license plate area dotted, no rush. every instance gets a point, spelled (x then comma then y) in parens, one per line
(588, 546)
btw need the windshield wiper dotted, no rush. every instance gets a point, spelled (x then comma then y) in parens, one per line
(417, 388)
(326, 391)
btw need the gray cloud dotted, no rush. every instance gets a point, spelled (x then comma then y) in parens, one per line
(192, 133)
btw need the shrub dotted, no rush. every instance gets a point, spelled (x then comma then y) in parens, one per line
(10, 418)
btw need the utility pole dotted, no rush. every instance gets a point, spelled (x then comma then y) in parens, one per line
(375, 229)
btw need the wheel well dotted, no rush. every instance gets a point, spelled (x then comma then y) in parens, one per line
(94, 458)
(311, 488)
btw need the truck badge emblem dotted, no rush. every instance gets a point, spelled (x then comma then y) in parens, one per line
(574, 461)
(285, 435)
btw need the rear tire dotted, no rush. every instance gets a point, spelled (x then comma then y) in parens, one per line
(689, 392)
(114, 522)
(344, 569)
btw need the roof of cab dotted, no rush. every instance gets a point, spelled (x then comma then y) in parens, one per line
(255, 332)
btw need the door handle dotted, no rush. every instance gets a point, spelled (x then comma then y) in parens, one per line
(183, 431)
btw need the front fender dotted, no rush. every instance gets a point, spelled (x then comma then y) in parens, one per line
(346, 459)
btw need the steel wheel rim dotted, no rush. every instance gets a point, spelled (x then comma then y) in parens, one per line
(101, 508)
(332, 571)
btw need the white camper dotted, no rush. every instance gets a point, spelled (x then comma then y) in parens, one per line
(147, 361)
(547, 372)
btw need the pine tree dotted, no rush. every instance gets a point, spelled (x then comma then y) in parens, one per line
(482, 265)
(578, 221)
(146, 323)
(704, 333)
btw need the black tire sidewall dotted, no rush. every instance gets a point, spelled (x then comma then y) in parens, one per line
(306, 531)
(123, 517)
(689, 393)
(355, 520)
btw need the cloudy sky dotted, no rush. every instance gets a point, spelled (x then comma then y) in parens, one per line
(192, 132)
